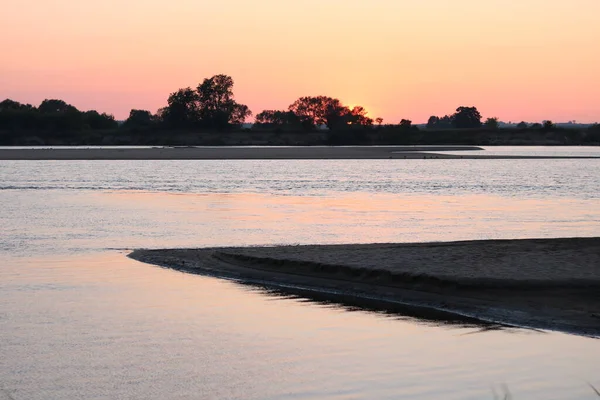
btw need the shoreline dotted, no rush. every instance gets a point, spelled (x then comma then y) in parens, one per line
(261, 153)
(549, 284)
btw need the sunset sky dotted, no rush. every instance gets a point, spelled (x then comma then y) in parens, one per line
(514, 59)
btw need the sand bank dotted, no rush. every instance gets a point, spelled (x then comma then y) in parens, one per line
(221, 153)
(539, 283)
(250, 153)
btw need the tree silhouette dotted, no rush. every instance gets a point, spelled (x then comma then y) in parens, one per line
(491, 123)
(11, 105)
(323, 110)
(522, 125)
(56, 106)
(358, 116)
(216, 105)
(211, 105)
(181, 110)
(548, 125)
(277, 118)
(439, 123)
(140, 119)
(466, 118)
(379, 121)
(239, 114)
(433, 122)
(406, 124)
(94, 120)
(310, 110)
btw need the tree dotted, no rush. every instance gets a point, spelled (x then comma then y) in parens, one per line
(536, 125)
(439, 123)
(181, 110)
(277, 118)
(433, 122)
(466, 118)
(57, 115)
(239, 114)
(310, 110)
(548, 125)
(323, 110)
(522, 125)
(379, 121)
(56, 106)
(216, 105)
(15, 116)
(491, 123)
(405, 124)
(337, 115)
(211, 105)
(11, 105)
(358, 116)
(95, 120)
(139, 119)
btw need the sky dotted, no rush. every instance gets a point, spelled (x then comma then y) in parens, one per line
(529, 60)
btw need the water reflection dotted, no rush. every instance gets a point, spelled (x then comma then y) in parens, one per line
(404, 312)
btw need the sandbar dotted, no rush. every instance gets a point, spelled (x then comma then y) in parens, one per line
(254, 153)
(549, 284)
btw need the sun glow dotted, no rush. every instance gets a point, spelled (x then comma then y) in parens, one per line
(404, 59)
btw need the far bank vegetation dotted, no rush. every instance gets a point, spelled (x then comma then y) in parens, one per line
(209, 114)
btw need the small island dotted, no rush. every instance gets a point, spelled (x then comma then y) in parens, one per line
(549, 284)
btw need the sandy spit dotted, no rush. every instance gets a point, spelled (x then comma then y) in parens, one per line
(249, 153)
(539, 283)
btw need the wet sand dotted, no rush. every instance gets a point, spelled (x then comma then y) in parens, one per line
(538, 283)
(251, 153)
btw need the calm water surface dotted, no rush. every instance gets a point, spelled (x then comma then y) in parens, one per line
(538, 151)
(80, 320)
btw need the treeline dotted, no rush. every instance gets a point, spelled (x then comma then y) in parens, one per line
(51, 115)
(209, 115)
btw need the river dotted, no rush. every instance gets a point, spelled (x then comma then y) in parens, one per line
(78, 319)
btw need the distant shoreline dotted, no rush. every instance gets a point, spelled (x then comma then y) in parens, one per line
(258, 153)
(537, 283)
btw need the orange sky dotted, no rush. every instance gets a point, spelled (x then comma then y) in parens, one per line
(515, 59)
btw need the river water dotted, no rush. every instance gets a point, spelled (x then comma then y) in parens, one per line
(79, 320)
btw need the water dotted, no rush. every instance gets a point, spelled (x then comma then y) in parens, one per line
(537, 151)
(80, 320)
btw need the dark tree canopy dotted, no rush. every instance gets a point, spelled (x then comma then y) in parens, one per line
(358, 116)
(140, 119)
(55, 106)
(193, 114)
(406, 123)
(466, 118)
(463, 118)
(210, 105)
(52, 115)
(11, 105)
(491, 123)
(181, 110)
(277, 118)
(548, 125)
(328, 111)
(94, 120)
(439, 123)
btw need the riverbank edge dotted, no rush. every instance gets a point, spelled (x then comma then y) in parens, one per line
(422, 295)
(261, 153)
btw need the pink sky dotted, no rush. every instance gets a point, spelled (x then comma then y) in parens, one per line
(514, 59)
